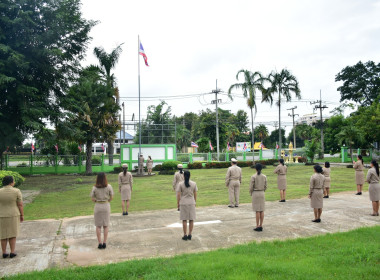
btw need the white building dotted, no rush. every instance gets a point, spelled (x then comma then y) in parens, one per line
(99, 148)
(309, 119)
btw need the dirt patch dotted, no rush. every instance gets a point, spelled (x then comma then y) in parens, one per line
(29, 195)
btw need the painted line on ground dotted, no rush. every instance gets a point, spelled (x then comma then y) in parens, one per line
(179, 225)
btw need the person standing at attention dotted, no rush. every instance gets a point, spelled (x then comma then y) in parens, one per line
(11, 214)
(178, 178)
(326, 172)
(141, 165)
(125, 188)
(257, 187)
(233, 181)
(316, 192)
(102, 195)
(187, 198)
(374, 187)
(281, 171)
(149, 165)
(359, 174)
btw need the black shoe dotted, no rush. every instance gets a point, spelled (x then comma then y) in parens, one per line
(258, 229)
(100, 246)
(231, 206)
(11, 255)
(282, 200)
(184, 237)
(315, 221)
(325, 196)
(359, 193)
(126, 213)
(123, 213)
(5, 256)
(104, 245)
(319, 220)
(236, 205)
(189, 237)
(177, 209)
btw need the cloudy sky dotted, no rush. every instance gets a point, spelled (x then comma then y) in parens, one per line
(190, 44)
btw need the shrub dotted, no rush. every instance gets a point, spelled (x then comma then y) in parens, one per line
(167, 172)
(23, 164)
(195, 165)
(157, 167)
(117, 169)
(16, 176)
(66, 161)
(302, 159)
(349, 166)
(183, 158)
(170, 165)
(78, 180)
(96, 160)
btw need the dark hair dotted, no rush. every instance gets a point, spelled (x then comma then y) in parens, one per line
(361, 158)
(7, 180)
(187, 178)
(149, 157)
(258, 168)
(327, 164)
(375, 164)
(281, 161)
(180, 170)
(318, 168)
(125, 170)
(101, 180)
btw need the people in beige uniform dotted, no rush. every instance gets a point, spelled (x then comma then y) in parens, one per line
(187, 198)
(141, 165)
(359, 174)
(233, 181)
(125, 188)
(326, 172)
(178, 178)
(374, 187)
(11, 214)
(317, 181)
(102, 194)
(257, 187)
(149, 165)
(281, 171)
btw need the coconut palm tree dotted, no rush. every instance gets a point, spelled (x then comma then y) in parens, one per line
(262, 132)
(350, 135)
(252, 82)
(107, 62)
(283, 83)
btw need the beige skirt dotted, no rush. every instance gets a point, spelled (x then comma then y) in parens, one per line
(327, 183)
(9, 227)
(102, 212)
(187, 212)
(281, 182)
(258, 201)
(316, 200)
(126, 192)
(359, 176)
(374, 192)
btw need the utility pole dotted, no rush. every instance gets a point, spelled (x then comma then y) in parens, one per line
(275, 124)
(123, 123)
(320, 107)
(294, 127)
(216, 101)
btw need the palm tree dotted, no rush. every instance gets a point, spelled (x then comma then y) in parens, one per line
(262, 131)
(283, 83)
(252, 82)
(107, 62)
(350, 135)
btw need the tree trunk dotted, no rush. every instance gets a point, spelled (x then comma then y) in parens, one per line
(279, 122)
(253, 137)
(352, 156)
(89, 157)
(110, 152)
(1, 160)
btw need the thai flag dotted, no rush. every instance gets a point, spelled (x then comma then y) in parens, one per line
(228, 146)
(142, 52)
(32, 147)
(103, 147)
(261, 146)
(56, 147)
(211, 147)
(79, 148)
(193, 144)
(277, 146)
(245, 147)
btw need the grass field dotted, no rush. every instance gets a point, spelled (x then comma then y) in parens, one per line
(68, 196)
(350, 255)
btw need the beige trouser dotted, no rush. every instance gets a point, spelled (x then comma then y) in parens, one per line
(141, 169)
(234, 192)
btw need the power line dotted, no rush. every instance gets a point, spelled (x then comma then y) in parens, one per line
(320, 107)
(294, 128)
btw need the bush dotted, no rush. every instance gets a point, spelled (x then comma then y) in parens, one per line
(157, 167)
(167, 172)
(23, 164)
(66, 161)
(302, 160)
(195, 165)
(170, 165)
(16, 176)
(96, 160)
(183, 158)
(349, 166)
(117, 169)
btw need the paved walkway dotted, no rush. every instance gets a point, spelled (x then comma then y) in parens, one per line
(42, 243)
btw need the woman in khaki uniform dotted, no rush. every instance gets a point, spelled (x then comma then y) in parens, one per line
(316, 192)
(374, 187)
(102, 194)
(125, 188)
(281, 171)
(257, 187)
(326, 172)
(187, 197)
(359, 174)
(149, 165)
(178, 178)
(11, 214)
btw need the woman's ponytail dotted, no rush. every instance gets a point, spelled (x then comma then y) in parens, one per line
(187, 178)
(376, 165)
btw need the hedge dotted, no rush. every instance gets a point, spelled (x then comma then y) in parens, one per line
(16, 176)
(170, 165)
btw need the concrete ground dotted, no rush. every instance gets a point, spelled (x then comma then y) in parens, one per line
(58, 243)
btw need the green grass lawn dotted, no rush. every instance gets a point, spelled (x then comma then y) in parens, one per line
(339, 159)
(350, 255)
(63, 196)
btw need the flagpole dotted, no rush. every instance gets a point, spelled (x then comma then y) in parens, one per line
(138, 55)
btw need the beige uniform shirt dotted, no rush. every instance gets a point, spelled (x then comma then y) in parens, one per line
(316, 182)
(233, 173)
(125, 180)
(281, 170)
(372, 176)
(9, 196)
(102, 194)
(141, 160)
(178, 178)
(358, 166)
(187, 194)
(258, 183)
(326, 172)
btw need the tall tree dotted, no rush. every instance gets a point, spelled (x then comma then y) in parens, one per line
(41, 45)
(252, 81)
(262, 132)
(361, 82)
(350, 135)
(107, 62)
(284, 84)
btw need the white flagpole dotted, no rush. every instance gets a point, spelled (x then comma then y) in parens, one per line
(138, 54)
